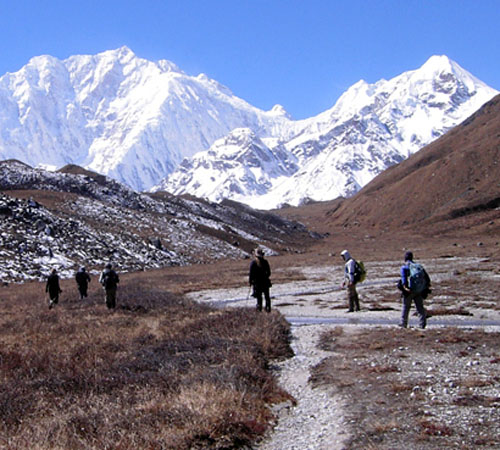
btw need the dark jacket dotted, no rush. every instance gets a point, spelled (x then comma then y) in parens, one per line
(52, 286)
(82, 278)
(109, 279)
(260, 273)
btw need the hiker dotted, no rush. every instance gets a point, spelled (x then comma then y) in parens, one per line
(259, 279)
(109, 280)
(350, 281)
(415, 286)
(82, 280)
(53, 288)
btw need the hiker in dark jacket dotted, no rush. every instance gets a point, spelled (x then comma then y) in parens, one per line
(109, 280)
(410, 294)
(82, 280)
(349, 281)
(52, 288)
(259, 278)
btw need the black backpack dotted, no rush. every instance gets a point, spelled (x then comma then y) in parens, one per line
(109, 279)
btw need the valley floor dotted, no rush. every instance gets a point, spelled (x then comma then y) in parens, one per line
(363, 385)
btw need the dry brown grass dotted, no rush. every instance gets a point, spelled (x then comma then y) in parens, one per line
(437, 388)
(159, 372)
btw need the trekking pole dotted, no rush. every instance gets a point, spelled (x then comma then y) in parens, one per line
(248, 295)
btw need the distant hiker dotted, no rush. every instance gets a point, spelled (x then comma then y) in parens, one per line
(352, 274)
(82, 280)
(109, 280)
(259, 279)
(53, 288)
(415, 286)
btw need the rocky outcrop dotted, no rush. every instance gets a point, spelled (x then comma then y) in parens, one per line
(66, 220)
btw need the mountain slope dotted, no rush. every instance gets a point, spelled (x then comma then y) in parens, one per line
(454, 177)
(136, 121)
(371, 128)
(119, 115)
(238, 166)
(75, 217)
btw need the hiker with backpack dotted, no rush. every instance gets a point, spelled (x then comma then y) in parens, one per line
(415, 286)
(109, 280)
(353, 273)
(259, 279)
(82, 280)
(52, 288)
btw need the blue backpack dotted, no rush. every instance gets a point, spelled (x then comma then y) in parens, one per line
(418, 278)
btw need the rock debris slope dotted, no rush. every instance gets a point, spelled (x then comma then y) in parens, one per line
(74, 217)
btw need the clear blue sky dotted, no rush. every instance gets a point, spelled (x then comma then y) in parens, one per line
(302, 54)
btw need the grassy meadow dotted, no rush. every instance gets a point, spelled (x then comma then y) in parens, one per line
(158, 372)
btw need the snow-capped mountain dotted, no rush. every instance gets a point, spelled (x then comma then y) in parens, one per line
(152, 126)
(119, 115)
(371, 127)
(237, 166)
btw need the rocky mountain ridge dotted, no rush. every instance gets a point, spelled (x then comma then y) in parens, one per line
(73, 218)
(450, 186)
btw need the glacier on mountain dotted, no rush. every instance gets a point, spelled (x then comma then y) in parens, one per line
(152, 126)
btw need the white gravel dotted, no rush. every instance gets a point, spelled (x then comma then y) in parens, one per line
(316, 421)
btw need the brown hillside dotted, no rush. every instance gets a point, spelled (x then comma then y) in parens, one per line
(77, 170)
(445, 199)
(455, 176)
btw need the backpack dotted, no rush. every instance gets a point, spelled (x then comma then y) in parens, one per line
(418, 278)
(109, 279)
(359, 272)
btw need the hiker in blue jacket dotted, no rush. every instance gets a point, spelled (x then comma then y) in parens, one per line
(350, 281)
(414, 286)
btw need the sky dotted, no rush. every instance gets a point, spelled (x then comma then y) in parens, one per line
(302, 54)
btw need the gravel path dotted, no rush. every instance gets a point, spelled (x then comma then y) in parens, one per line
(316, 421)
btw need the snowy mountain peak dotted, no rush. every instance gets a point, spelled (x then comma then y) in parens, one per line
(438, 63)
(371, 127)
(117, 114)
(279, 110)
(240, 136)
(141, 122)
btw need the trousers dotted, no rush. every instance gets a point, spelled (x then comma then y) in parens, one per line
(419, 305)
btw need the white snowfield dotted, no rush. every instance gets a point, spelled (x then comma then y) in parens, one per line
(152, 126)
